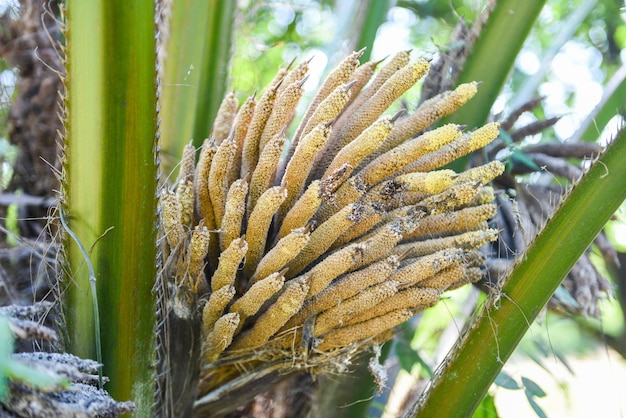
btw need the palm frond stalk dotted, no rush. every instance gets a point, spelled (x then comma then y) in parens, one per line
(109, 189)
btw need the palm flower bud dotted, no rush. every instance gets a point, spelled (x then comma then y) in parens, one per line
(171, 218)
(224, 118)
(220, 337)
(233, 213)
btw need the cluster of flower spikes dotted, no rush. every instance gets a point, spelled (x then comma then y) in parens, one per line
(309, 248)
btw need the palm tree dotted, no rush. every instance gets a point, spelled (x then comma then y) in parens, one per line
(111, 178)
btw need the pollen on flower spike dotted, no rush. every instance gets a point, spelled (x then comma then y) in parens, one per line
(317, 240)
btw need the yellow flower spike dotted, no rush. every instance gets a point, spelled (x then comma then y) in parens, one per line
(341, 313)
(233, 213)
(196, 253)
(262, 112)
(220, 337)
(466, 241)
(287, 304)
(296, 74)
(329, 108)
(282, 113)
(340, 75)
(402, 156)
(302, 211)
(472, 275)
(473, 258)
(187, 164)
(399, 203)
(381, 241)
(401, 80)
(408, 189)
(464, 145)
(449, 102)
(325, 114)
(331, 183)
(215, 306)
(185, 196)
(444, 278)
(413, 298)
(299, 166)
(201, 183)
(384, 192)
(432, 182)
(301, 161)
(450, 199)
(398, 61)
(259, 293)
(428, 113)
(427, 266)
(278, 80)
(484, 173)
(394, 87)
(351, 334)
(218, 177)
(485, 195)
(333, 266)
(420, 204)
(362, 75)
(369, 220)
(456, 222)
(263, 175)
(240, 129)
(171, 218)
(224, 119)
(344, 288)
(185, 190)
(348, 193)
(284, 251)
(324, 235)
(228, 264)
(259, 223)
(443, 199)
(414, 212)
(370, 139)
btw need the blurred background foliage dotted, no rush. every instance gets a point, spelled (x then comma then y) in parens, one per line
(272, 33)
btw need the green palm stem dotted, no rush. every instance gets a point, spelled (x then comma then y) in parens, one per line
(194, 72)
(493, 55)
(214, 69)
(110, 183)
(469, 370)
